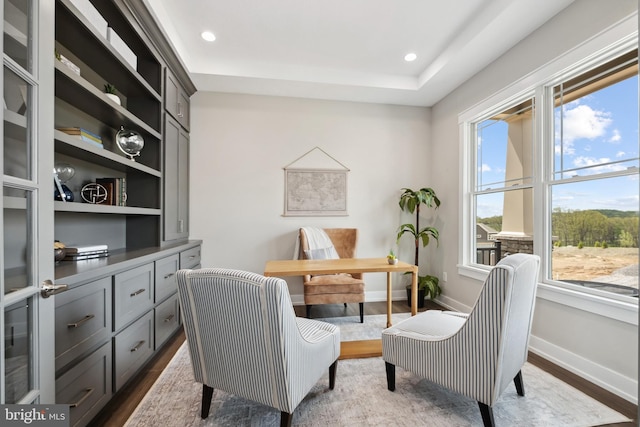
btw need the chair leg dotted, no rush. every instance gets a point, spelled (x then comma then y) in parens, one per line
(207, 394)
(361, 312)
(345, 305)
(519, 383)
(285, 419)
(487, 415)
(308, 311)
(391, 376)
(332, 374)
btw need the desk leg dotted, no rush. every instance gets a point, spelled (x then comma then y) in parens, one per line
(414, 292)
(388, 299)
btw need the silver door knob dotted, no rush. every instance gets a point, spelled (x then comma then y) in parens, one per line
(48, 288)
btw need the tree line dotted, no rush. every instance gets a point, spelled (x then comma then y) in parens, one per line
(604, 227)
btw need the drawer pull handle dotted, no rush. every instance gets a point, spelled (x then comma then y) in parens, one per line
(168, 275)
(138, 292)
(169, 318)
(81, 321)
(192, 257)
(137, 347)
(87, 393)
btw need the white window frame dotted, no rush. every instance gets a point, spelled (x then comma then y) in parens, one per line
(606, 46)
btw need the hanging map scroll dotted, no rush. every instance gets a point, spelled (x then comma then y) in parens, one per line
(319, 191)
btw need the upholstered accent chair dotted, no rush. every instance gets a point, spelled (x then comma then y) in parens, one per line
(333, 288)
(479, 354)
(244, 338)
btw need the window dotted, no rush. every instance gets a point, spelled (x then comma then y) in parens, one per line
(555, 172)
(594, 186)
(503, 196)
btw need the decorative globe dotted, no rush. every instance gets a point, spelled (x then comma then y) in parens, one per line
(129, 142)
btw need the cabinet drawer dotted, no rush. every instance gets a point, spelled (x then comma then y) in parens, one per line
(167, 320)
(132, 294)
(83, 320)
(166, 277)
(190, 258)
(132, 347)
(87, 386)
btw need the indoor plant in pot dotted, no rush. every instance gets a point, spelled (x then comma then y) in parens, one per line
(110, 91)
(410, 201)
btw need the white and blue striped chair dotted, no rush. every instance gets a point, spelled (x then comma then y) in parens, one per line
(479, 354)
(245, 339)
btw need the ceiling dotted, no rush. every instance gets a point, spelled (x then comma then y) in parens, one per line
(350, 50)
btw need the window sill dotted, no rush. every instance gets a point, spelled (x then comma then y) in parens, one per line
(619, 310)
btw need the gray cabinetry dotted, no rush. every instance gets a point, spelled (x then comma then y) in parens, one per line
(87, 386)
(132, 294)
(176, 181)
(166, 277)
(167, 320)
(190, 258)
(131, 348)
(83, 320)
(176, 100)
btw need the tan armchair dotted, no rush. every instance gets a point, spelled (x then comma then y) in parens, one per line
(334, 288)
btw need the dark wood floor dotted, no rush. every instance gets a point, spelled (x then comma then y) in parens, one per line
(127, 399)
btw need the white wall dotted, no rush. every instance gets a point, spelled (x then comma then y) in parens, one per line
(239, 146)
(601, 349)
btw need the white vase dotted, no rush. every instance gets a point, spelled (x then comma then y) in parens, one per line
(115, 98)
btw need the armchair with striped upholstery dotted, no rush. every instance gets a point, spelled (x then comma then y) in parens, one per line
(245, 339)
(479, 354)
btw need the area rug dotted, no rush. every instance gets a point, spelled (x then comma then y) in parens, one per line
(352, 330)
(361, 398)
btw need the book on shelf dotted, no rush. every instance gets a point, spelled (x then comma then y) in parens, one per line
(84, 135)
(80, 257)
(86, 249)
(116, 190)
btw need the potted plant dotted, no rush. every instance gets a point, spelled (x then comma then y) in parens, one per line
(410, 201)
(110, 91)
(391, 258)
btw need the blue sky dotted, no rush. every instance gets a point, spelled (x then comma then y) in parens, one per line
(599, 130)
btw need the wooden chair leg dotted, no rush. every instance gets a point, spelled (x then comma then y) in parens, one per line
(207, 395)
(361, 312)
(391, 376)
(285, 419)
(519, 383)
(332, 374)
(487, 415)
(308, 311)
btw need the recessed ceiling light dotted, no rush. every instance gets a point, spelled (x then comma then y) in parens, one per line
(410, 57)
(208, 36)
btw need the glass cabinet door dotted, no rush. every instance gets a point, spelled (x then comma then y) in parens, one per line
(27, 365)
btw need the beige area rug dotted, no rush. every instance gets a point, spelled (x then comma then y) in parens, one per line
(361, 398)
(352, 330)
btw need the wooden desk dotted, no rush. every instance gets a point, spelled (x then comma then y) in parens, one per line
(281, 268)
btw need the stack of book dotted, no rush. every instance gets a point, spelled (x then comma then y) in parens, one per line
(116, 190)
(84, 135)
(86, 252)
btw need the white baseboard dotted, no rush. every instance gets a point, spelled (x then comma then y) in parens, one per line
(452, 304)
(618, 384)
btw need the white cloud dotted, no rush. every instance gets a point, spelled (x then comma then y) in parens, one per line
(620, 154)
(596, 165)
(485, 168)
(584, 122)
(616, 136)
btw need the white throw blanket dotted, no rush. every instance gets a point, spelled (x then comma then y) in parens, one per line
(317, 240)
